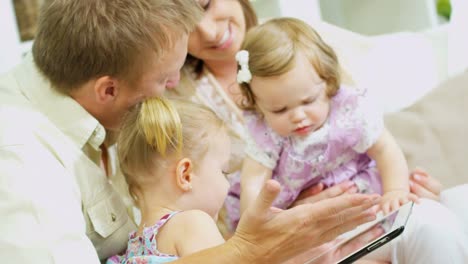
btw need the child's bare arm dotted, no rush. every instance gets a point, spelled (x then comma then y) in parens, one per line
(253, 177)
(393, 169)
(391, 163)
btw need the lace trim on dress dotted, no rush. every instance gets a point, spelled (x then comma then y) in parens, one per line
(259, 155)
(300, 144)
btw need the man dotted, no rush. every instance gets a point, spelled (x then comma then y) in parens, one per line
(92, 60)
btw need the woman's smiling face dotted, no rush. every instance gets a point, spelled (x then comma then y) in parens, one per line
(220, 33)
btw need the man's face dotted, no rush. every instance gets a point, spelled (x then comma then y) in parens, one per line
(164, 74)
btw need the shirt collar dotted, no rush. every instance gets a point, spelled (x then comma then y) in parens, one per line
(66, 113)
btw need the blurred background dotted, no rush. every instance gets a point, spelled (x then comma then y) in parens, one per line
(397, 49)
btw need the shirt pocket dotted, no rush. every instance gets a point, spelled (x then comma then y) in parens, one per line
(108, 215)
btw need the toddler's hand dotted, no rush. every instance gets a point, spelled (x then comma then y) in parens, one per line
(392, 200)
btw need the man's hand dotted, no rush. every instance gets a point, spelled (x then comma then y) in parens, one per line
(317, 192)
(271, 235)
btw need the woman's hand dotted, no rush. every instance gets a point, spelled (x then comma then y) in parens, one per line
(271, 235)
(424, 186)
(317, 192)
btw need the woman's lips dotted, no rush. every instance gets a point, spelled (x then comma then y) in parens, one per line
(226, 40)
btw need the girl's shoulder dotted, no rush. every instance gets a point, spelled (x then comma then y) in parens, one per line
(255, 123)
(191, 216)
(190, 222)
(254, 120)
(348, 93)
(262, 143)
(350, 102)
(195, 230)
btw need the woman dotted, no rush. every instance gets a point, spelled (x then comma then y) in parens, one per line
(209, 77)
(209, 74)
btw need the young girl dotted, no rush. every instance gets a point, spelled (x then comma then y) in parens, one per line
(305, 127)
(173, 156)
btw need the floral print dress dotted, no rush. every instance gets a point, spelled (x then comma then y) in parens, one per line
(144, 249)
(334, 153)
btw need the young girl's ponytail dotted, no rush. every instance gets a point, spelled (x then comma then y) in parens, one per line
(158, 131)
(160, 124)
(149, 133)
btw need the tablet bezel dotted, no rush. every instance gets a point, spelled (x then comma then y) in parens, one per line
(397, 229)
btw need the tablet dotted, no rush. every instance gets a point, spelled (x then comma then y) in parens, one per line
(392, 224)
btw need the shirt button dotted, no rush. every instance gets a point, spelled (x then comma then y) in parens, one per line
(113, 217)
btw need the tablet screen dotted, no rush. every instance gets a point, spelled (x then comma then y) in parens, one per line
(391, 225)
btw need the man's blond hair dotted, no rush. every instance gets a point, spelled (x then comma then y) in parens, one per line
(79, 40)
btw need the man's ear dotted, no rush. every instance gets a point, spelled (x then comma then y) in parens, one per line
(184, 174)
(105, 89)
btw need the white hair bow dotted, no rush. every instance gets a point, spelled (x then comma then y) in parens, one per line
(243, 75)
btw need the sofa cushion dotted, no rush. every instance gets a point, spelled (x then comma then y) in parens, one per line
(433, 132)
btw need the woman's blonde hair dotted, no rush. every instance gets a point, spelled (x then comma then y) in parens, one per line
(273, 47)
(158, 130)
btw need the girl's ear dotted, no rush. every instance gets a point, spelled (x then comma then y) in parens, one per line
(184, 174)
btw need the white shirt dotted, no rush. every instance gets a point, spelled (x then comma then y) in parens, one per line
(56, 203)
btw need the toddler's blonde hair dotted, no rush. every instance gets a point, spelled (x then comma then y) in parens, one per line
(273, 47)
(159, 130)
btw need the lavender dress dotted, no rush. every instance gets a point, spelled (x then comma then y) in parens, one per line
(334, 153)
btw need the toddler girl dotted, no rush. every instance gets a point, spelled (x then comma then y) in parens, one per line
(305, 127)
(173, 156)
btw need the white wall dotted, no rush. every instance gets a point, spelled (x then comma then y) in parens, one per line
(307, 10)
(374, 17)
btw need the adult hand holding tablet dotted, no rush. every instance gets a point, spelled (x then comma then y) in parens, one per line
(366, 238)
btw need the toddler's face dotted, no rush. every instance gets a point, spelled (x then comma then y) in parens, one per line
(294, 103)
(210, 186)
